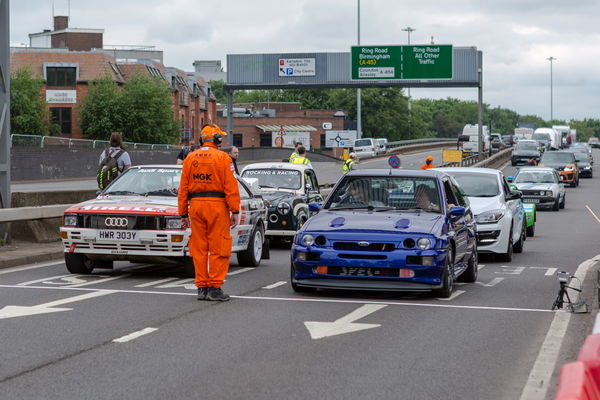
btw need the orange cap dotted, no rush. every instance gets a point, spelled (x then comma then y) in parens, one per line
(429, 158)
(209, 131)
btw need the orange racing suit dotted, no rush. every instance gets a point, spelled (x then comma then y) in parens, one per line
(209, 187)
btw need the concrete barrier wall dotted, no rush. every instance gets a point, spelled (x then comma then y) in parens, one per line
(37, 163)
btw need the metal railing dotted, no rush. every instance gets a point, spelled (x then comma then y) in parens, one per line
(400, 143)
(19, 140)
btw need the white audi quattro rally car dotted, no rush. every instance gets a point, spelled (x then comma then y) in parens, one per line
(136, 219)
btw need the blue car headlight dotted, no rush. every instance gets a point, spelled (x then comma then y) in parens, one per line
(424, 243)
(489, 217)
(308, 240)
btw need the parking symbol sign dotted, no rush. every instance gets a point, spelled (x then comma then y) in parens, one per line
(289, 71)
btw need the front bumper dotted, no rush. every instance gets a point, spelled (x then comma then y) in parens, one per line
(568, 176)
(585, 173)
(149, 244)
(493, 238)
(523, 159)
(323, 271)
(539, 201)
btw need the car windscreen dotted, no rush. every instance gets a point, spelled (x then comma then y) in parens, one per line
(147, 182)
(362, 142)
(535, 177)
(526, 146)
(477, 185)
(275, 178)
(581, 157)
(556, 157)
(386, 193)
(541, 136)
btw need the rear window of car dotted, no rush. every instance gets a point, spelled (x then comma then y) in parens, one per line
(526, 146)
(363, 143)
(477, 185)
(557, 157)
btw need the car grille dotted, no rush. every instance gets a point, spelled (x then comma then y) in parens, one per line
(487, 237)
(532, 192)
(134, 222)
(363, 256)
(354, 246)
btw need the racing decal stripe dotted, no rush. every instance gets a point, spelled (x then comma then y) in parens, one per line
(243, 216)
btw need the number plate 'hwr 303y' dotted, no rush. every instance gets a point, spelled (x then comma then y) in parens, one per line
(113, 235)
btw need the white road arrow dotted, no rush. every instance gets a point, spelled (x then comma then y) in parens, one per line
(346, 324)
(45, 308)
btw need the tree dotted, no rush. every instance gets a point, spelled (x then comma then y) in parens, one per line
(147, 103)
(101, 111)
(28, 112)
(218, 89)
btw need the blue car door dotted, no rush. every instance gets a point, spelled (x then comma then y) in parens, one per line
(458, 224)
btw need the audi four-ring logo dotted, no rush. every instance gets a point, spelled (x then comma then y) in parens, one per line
(116, 222)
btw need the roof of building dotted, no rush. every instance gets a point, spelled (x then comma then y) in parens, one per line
(91, 65)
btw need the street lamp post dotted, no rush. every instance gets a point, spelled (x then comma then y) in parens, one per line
(358, 97)
(408, 30)
(551, 94)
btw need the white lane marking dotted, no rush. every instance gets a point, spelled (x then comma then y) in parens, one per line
(453, 296)
(597, 325)
(112, 278)
(45, 308)
(274, 285)
(479, 266)
(187, 283)
(239, 271)
(153, 283)
(135, 267)
(29, 266)
(299, 299)
(491, 283)
(135, 335)
(504, 165)
(47, 279)
(345, 324)
(595, 216)
(541, 373)
(549, 271)
(510, 270)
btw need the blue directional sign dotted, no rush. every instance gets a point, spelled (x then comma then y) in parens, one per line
(394, 161)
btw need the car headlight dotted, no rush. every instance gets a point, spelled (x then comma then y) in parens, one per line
(70, 220)
(588, 167)
(542, 193)
(569, 168)
(549, 193)
(308, 240)
(173, 223)
(283, 208)
(489, 217)
(423, 243)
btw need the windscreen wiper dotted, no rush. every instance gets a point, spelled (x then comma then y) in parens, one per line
(121, 192)
(163, 192)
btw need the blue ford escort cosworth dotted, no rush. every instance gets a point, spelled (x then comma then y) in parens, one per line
(389, 230)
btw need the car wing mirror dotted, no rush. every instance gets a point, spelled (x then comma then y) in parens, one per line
(314, 207)
(98, 192)
(458, 211)
(514, 195)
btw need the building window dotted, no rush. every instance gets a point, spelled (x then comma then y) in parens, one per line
(323, 141)
(61, 116)
(237, 139)
(266, 140)
(61, 76)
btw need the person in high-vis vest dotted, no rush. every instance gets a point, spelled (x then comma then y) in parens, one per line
(428, 163)
(301, 159)
(349, 163)
(295, 152)
(209, 199)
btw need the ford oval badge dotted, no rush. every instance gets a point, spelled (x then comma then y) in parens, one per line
(363, 244)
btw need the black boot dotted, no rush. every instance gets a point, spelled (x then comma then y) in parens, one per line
(202, 291)
(216, 294)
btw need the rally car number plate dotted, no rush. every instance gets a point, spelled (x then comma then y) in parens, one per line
(110, 235)
(530, 200)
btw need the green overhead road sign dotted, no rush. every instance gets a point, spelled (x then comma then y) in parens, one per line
(401, 62)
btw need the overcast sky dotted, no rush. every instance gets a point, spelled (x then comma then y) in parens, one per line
(516, 37)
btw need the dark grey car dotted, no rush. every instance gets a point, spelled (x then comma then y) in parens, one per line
(525, 151)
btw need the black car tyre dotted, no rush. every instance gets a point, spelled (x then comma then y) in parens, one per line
(301, 218)
(574, 183)
(531, 230)
(507, 257)
(295, 287)
(251, 256)
(470, 274)
(518, 247)
(188, 267)
(562, 203)
(78, 263)
(556, 205)
(447, 278)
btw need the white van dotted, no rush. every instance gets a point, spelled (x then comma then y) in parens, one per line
(366, 147)
(381, 146)
(472, 146)
(555, 137)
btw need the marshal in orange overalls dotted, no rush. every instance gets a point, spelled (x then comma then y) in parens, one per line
(211, 190)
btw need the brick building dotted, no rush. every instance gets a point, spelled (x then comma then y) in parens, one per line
(260, 124)
(67, 72)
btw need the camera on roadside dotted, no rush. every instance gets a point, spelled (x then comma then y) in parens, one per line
(563, 277)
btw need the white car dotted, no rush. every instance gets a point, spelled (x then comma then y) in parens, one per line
(498, 210)
(136, 219)
(540, 186)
